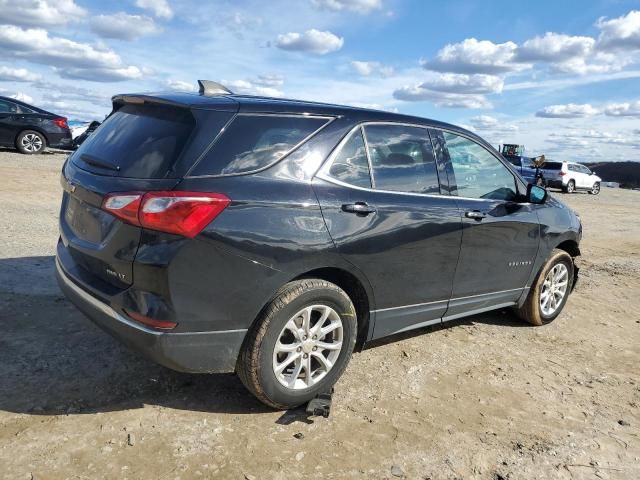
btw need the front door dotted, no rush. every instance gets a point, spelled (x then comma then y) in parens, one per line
(387, 216)
(500, 234)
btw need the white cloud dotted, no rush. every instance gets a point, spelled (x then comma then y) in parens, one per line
(484, 122)
(465, 84)
(620, 33)
(367, 69)
(17, 75)
(181, 86)
(312, 41)
(476, 56)
(453, 90)
(418, 93)
(71, 59)
(248, 87)
(627, 109)
(358, 6)
(40, 13)
(570, 110)
(272, 80)
(23, 97)
(554, 47)
(123, 26)
(160, 8)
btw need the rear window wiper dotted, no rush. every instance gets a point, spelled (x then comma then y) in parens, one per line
(99, 163)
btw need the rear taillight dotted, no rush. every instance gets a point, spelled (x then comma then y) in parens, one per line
(61, 122)
(151, 322)
(562, 174)
(182, 213)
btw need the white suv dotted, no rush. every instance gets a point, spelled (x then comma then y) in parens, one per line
(570, 177)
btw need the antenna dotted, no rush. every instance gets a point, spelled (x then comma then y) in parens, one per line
(208, 87)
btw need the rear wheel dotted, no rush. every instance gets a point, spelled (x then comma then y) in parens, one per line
(595, 190)
(300, 345)
(548, 294)
(30, 142)
(571, 187)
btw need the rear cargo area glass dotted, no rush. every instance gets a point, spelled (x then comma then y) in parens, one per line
(137, 141)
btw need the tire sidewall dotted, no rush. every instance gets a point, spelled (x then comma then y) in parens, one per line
(272, 388)
(595, 190)
(571, 186)
(556, 258)
(22, 135)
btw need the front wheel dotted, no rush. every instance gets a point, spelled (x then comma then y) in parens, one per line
(300, 345)
(30, 142)
(550, 291)
(595, 190)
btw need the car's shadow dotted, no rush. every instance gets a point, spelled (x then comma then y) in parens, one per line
(53, 361)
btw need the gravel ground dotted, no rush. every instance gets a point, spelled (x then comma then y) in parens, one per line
(487, 397)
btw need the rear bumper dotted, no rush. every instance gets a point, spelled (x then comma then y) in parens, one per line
(555, 183)
(198, 352)
(60, 140)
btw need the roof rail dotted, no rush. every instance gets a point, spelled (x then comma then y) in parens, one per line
(208, 87)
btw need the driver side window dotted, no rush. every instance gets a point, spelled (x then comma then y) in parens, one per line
(478, 173)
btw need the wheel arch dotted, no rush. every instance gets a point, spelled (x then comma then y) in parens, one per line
(356, 291)
(569, 246)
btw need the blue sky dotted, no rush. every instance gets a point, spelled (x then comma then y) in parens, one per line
(561, 77)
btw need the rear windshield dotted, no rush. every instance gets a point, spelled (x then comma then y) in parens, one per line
(552, 166)
(139, 141)
(253, 142)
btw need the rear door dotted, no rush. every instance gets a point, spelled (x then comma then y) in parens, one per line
(388, 215)
(500, 236)
(8, 128)
(140, 147)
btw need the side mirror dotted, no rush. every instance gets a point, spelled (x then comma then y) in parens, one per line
(536, 194)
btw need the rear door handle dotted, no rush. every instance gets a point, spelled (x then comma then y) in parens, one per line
(475, 214)
(359, 208)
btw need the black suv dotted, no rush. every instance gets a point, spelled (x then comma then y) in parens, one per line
(217, 232)
(31, 129)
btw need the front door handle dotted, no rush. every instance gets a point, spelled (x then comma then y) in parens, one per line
(359, 208)
(475, 214)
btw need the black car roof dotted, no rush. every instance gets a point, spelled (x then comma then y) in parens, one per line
(257, 104)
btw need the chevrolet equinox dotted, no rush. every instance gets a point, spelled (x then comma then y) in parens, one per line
(217, 232)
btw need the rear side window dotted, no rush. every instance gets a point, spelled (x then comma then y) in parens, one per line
(138, 141)
(254, 142)
(351, 164)
(402, 159)
(8, 107)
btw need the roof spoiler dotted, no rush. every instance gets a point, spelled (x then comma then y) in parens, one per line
(208, 87)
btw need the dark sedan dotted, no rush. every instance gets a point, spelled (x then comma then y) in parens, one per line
(31, 129)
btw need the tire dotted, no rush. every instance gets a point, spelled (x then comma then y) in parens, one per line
(595, 190)
(532, 310)
(571, 187)
(258, 360)
(31, 142)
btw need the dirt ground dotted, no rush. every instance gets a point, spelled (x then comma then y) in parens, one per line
(486, 397)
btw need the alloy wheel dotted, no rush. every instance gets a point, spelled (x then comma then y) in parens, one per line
(554, 289)
(31, 142)
(308, 347)
(596, 188)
